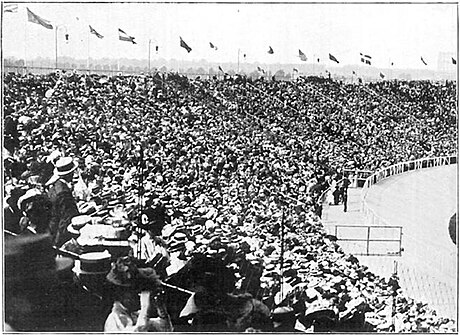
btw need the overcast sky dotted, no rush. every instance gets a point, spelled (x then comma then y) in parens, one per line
(399, 33)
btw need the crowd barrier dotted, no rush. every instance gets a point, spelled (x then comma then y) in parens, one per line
(370, 216)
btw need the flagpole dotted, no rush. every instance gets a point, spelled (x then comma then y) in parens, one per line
(25, 44)
(150, 41)
(238, 60)
(87, 55)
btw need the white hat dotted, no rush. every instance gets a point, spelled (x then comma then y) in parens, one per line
(64, 166)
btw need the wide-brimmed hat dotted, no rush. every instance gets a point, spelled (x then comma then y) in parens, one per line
(125, 273)
(64, 166)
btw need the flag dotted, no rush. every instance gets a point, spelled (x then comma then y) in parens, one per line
(382, 75)
(392, 63)
(220, 69)
(260, 69)
(302, 56)
(10, 8)
(31, 17)
(94, 32)
(212, 46)
(318, 60)
(454, 61)
(122, 36)
(184, 45)
(270, 50)
(354, 72)
(423, 61)
(295, 70)
(332, 58)
(365, 59)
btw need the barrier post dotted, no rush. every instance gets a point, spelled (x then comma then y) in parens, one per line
(368, 237)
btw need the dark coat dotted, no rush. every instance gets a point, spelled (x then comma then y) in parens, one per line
(64, 208)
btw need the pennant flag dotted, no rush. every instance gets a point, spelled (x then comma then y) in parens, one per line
(122, 36)
(302, 56)
(31, 17)
(295, 70)
(212, 46)
(270, 50)
(454, 61)
(423, 61)
(332, 58)
(260, 69)
(10, 8)
(382, 75)
(184, 45)
(365, 59)
(220, 69)
(94, 32)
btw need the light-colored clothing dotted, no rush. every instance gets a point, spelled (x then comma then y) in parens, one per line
(152, 249)
(121, 321)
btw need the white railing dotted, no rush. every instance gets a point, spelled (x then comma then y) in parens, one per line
(370, 216)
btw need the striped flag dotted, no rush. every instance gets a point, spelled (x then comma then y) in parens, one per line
(270, 50)
(184, 45)
(365, 59)
(332, 58)
(34, 18)
(10, 8)
(454, 61)
(94, 32)
(302, 56)
(122, 36)
(423, 61)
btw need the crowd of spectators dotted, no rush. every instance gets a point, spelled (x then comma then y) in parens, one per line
(236, 163)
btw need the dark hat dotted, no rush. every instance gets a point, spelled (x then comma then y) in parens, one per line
(125, 273)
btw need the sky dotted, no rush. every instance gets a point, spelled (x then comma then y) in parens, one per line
(398, 33)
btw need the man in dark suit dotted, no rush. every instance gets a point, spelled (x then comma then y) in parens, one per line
(64, 206)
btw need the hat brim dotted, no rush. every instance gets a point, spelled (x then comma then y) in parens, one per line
(58, 173)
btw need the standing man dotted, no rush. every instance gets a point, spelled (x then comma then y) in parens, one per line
(64, 206)
(345, 182)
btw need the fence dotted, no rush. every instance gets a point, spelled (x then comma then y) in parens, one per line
(370, 216)
(370, 240)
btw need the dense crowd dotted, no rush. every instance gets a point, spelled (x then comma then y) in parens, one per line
(229, 166)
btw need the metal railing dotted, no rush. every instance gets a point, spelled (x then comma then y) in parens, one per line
(373, 218)
(370, 240)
